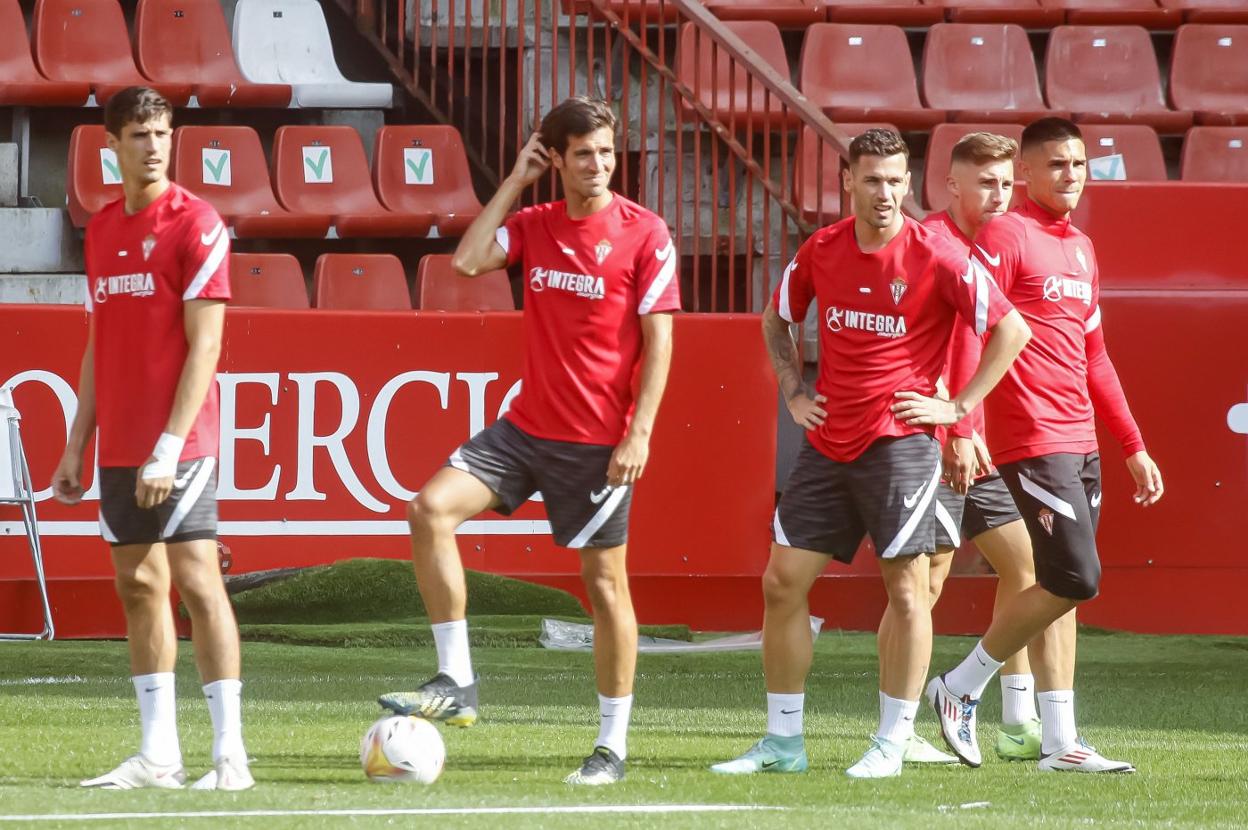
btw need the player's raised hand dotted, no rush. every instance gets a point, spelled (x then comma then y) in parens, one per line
(533, 161)
(806, 411)
(67, 480)
(628, 461)
(920, 410)
(149, 492)
(960, 463)
(1148, 486)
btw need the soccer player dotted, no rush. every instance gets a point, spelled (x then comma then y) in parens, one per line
(888, 290)
(981, 183)
(157, 281)
(600, 281)
(1042, 432)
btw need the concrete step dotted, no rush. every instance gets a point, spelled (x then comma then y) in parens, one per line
(50, 289)
(9, 175)
(39, 241)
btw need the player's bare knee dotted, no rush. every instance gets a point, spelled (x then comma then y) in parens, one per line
(779, 588)
(140, 586)
(429, 512)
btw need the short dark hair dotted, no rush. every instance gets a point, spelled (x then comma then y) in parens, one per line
(983, 147)
(1049, 129)
(579, 115)
(134, 104)
(878, 142)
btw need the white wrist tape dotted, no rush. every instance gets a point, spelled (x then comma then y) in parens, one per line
(166, 453)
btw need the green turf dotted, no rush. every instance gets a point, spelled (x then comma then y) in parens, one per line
(484, 631)
(1173, 706)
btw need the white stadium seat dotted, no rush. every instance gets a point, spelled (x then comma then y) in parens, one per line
(287, 42)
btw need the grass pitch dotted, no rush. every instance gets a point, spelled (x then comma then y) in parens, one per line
(1172, 705)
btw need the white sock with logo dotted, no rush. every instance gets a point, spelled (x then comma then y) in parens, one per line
(454, 658)
(972, 674)
(1018, 699)
(158, 715)
(784, 714)
(897, 718)
(1057, 720)
(613, 716)
(225, 704)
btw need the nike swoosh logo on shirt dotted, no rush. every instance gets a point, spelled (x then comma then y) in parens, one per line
(994, 261)
(664, 253)
(909, 501)
(211, 237)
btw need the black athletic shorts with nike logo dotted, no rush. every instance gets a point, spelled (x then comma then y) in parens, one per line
(190, 512)
(584, 511)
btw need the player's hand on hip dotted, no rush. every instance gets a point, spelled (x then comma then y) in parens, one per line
(149, 492)
(960, 464)
(533, 161)
(1148, 486)
(628, 461)
(67, 480)
(807, 412)
(920, 410)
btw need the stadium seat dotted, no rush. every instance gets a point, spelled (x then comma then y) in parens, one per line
(1028, 13)
(21, 85)
(424, 170)
(287, 42)
(939, 148)
(1209, 11)
(439, 288)
(187, 41)
(92, 178)
(981, 72)
(360, 282)
(1215, 154)
(1144, 13)
(322, 170)
(1138, 145)
(840, 72)
(780, 12)
(1108, 75)
(267, 281)
(226, 166)
(725, 89)
(1209, 73)
(813, 193)
(87, 41)
(886, 12)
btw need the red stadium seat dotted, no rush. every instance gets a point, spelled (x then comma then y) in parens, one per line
(87, 41)
(982, 72)
(724, 88)
(322, 170)
(424, 170)
(226, 166)
(780, 12)
(1209, 73)
(887, 12)
(187, 41)
(939, 148)
(841, 72)
(360, 282)
(1138, 145)
(21, 85)
(267, 281)
(92, 178)
(1215, 154)
(815, 194)
(1028, 13)
(1209, 11)
(440, 288)
(1144, 13)
(1108, 75)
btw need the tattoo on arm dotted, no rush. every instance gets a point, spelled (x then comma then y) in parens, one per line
(783, 353)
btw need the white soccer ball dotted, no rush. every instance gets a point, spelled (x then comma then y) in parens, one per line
(398, 748)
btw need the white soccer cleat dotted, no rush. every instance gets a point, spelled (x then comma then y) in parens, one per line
(956, 716)
(136, 772)
(882, 760)
(920, 751)
(229, 774)
(1080, 757)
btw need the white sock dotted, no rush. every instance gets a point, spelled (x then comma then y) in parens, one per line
(225, 704)
(972, 674)
(897, 718)
(158, 714)
(784, 714)
(613, 715)
(1057, 720)
(454, 660)
(1018, 698)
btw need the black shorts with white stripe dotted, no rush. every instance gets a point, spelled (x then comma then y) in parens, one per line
(584, 511)
(888, 492)
(190, 512)
(989, 505)
(1059, 497)
(949, 506)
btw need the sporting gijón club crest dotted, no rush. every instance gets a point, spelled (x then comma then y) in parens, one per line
(898, 287)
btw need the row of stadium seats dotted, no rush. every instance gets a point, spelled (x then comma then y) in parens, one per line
(1156, 14)
(420, 184)
(1121, 152)
(82, 49)
(986, 72)
(368, 282)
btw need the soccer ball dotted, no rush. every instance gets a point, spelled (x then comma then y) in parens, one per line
(398, 748)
